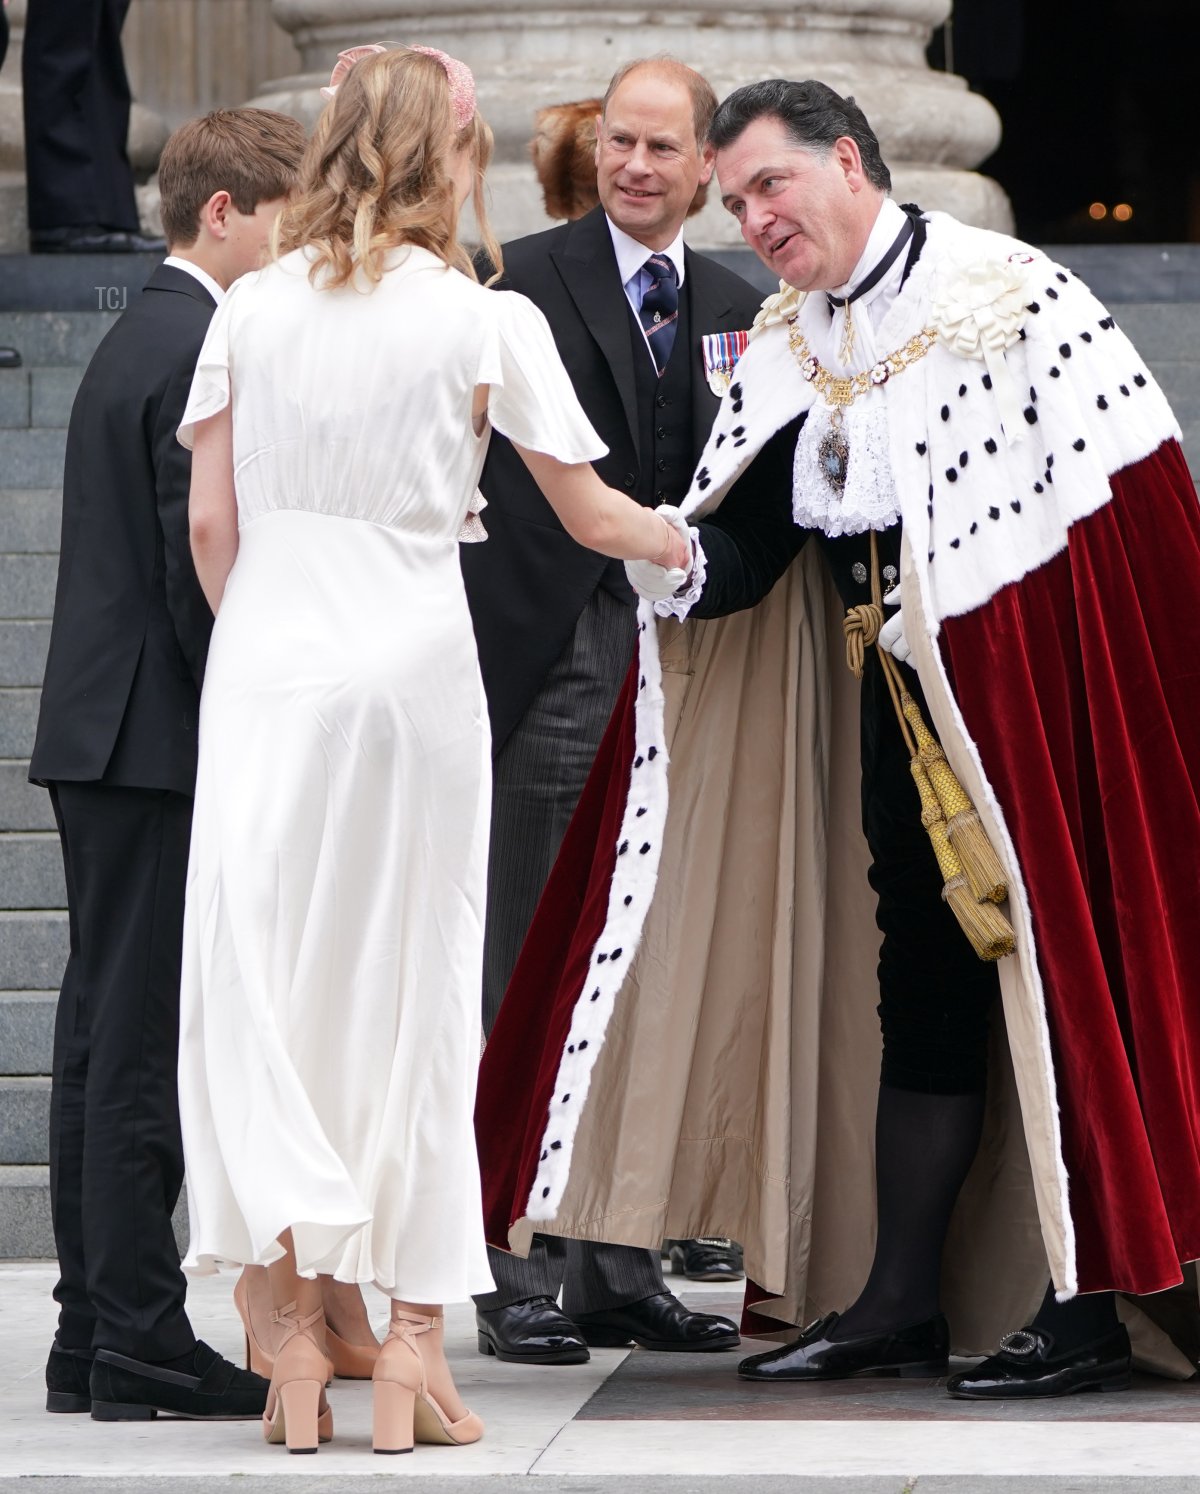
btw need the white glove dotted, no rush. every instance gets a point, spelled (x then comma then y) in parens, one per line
(891, 635)
(657, 582)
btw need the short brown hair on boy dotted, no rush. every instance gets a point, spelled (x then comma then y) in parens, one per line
(253, 154)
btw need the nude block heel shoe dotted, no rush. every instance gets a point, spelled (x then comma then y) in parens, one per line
(350, 1361)
(259, 1357)
(297, 1412)
(405, 1412)
(392, 1416)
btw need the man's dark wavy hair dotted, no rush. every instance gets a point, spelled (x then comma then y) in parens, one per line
(813, 115)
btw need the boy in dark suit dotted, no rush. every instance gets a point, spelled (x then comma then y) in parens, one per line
(116, 747)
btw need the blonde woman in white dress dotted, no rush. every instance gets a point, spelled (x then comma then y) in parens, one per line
(340, 415)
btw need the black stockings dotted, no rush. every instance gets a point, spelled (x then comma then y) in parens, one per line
(1078, 1322)
(924, 1147)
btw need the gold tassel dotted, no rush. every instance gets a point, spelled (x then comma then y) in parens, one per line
(967, 835)
(985, 926)
(973, 879)
(990, 933)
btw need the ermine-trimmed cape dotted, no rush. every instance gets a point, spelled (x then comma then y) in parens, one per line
(689, 1044)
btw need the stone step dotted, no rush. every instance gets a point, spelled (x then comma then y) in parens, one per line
(37, 396)
(26, 1031)
(23, 648)
(18, 721)
(14, 398)
(23, 805)
(55, 339)
(33, 949)
(74, 282)
(14, 235)
(27, 585)
(31, 870)
(33, 457)
(25, 1229)
(30, 520)
(25, 1121)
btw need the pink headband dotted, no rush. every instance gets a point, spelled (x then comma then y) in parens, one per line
(462, 80)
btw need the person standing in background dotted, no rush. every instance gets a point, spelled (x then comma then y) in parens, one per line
(9, 357)
(76, 100)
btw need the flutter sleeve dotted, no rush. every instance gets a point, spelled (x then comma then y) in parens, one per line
(532, 401)
(210, 383)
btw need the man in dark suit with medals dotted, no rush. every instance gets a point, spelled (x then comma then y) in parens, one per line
(638, 319)
(116, 746)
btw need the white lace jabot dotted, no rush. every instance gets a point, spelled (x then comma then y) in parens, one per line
(870, 500)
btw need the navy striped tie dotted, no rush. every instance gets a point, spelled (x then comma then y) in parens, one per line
(660, 308)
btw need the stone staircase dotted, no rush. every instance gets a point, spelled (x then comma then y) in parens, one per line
(56, 311)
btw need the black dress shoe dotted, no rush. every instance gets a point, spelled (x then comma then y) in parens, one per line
(530, 1332)
(92, 238)
(211, 1389)
(1026, 1365)
(707, 1259)
(659, 1322)
(67, 1372)
(920, 1352)
(9, 358)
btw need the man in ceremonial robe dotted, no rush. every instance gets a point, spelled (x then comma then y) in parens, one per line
(966, 415)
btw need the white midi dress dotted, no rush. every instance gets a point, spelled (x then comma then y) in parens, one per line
(333, 937)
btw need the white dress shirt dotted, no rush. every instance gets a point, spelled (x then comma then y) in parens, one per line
(871, 308)
(205, 279)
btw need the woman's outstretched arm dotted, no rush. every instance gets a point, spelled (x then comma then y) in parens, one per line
(600, 517)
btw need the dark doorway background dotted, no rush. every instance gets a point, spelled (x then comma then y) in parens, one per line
(1098, 100)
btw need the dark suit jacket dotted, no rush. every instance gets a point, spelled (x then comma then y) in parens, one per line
(528, 584)
(120, 701)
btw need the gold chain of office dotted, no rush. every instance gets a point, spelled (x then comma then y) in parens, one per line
(838, 393)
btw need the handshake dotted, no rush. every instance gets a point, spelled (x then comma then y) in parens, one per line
(656, 582)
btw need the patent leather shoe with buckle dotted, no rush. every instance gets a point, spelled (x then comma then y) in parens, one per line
(1028, 1364)
(920, 1352)
(660, 1322)
(533, 1331)
(707, 1259)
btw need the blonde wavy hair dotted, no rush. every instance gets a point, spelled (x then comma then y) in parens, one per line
(378, 172)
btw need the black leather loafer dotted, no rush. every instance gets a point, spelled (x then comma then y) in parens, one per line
(67, 1372)
(534, 1331)
(1026, 1365)
(920, 1352)
(659, 1322)
(707, 1260)
(93, 239)
(125, 1389)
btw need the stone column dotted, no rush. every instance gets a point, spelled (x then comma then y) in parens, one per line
(931, 128)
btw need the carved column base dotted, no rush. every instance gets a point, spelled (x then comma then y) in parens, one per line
(932, 130)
